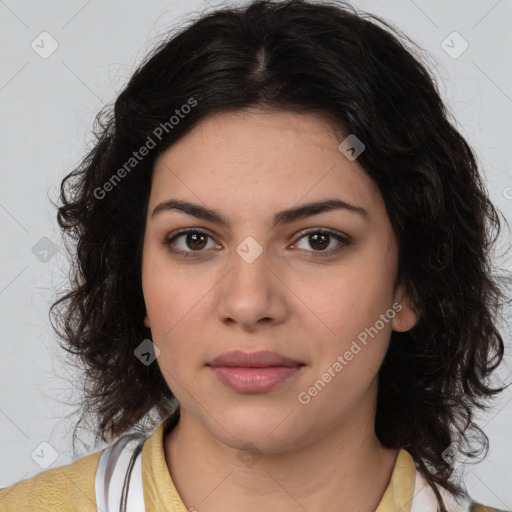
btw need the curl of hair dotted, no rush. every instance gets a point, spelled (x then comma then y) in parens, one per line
(354, 69)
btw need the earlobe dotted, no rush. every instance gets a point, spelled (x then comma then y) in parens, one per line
(146, 321)
(406, 317)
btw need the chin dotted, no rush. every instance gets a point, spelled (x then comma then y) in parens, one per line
(270, 431)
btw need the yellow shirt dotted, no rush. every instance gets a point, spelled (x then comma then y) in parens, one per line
(71, 487)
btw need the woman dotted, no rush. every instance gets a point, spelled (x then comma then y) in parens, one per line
(282, 254)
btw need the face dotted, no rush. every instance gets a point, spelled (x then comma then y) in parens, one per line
(254, 271)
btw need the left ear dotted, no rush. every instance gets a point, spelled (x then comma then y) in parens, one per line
(406, 317)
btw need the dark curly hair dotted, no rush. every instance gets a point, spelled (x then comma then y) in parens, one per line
(367, 77)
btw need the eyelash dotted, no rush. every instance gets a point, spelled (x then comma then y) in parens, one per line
(345, 242)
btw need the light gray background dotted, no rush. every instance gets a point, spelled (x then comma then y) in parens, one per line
(47, 107)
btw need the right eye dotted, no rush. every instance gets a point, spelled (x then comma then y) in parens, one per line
(192, 238)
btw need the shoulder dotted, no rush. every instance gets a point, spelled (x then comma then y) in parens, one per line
(69, 487)
(425, 499)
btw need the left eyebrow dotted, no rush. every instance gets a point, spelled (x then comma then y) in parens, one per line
(308, 209)
(282, 217)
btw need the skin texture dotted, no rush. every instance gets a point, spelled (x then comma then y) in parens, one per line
(249, 165)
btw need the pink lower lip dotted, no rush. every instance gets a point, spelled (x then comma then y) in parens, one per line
(253, 380)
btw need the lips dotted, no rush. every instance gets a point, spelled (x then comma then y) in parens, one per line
(254, 372)
(262, 359)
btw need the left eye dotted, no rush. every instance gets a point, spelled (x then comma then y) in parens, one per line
(321, 239)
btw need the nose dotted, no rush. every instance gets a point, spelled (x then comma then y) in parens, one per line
(251, 295)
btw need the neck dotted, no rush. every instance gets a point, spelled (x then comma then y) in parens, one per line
(348, 466)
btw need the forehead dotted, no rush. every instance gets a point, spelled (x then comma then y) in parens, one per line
(259, 159)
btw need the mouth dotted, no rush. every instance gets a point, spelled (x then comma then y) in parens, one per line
(261, 359)
(254, 372)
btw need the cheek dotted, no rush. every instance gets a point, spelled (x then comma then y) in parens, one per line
(354, 301)
(350, 311)
(356, 350)
(170, 294)
(175, 305)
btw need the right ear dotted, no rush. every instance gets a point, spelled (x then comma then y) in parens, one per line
(146, 321)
